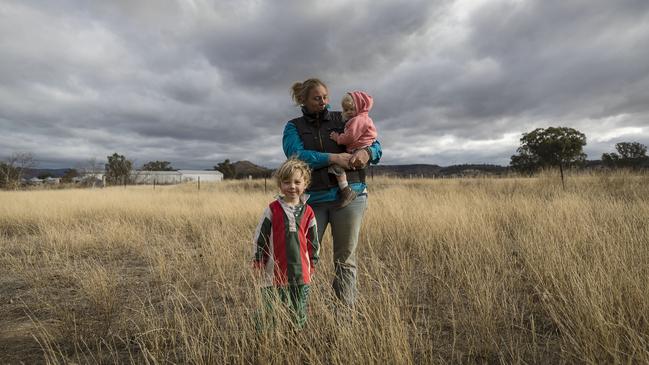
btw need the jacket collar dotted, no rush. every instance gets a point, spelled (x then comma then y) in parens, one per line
(303, 199)
(312, 117)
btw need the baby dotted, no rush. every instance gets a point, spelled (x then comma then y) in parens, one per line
(359, 133)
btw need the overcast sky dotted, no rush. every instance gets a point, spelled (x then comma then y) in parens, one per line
(195, 82)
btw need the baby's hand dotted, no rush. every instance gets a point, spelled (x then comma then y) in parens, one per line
(334, 136)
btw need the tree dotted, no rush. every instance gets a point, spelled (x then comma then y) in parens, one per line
(69, 175)
(629, 154)
(12, 170)
(550, 147)
(118, 169)
(92, 167)
(8, 175)
(45, 175)
(157, 166)
(227, 169)
(524, 162)
(91, 171)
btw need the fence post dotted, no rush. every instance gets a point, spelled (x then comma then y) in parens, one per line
(199, 183)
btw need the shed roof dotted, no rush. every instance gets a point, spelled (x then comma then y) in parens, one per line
(201, 172)
(159, 173)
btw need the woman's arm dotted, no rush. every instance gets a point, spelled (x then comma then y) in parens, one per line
(375, 152)
(293, 146)
(371, 154)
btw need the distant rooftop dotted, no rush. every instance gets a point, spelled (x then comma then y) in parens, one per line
(207, 172)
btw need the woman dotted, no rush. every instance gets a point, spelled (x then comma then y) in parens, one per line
(307, 137)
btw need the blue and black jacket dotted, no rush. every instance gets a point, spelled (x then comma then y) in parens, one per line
(307, 137)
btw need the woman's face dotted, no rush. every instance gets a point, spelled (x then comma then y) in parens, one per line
(317, 99)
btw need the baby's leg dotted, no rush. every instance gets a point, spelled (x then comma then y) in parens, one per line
(341, 177)
(347, 195)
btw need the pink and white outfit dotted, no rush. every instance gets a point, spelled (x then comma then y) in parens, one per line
(359, 131)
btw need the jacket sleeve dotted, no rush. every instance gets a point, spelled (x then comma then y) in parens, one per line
(262, 239)
(354, 129)
(293, 146)
(377, 152)
(312, 240)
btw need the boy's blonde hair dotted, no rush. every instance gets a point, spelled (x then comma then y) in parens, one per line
(286, 170)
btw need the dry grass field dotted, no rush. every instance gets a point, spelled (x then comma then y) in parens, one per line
(451, 271)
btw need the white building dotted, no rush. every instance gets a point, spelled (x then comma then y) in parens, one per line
(156, 177)
(204, 176)
(175, 177)
(35, 181)
(166, 177)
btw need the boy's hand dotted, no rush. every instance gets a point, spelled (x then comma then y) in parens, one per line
(334, 136)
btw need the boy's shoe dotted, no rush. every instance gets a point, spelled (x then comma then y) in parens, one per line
(347, 195)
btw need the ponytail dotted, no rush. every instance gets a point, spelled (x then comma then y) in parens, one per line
(300, 90)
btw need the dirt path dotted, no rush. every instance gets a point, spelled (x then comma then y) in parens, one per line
(17, 342)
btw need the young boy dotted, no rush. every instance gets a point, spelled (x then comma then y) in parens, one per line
(359, 133)
(286, 246)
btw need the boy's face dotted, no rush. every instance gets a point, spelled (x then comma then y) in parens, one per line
(349, 110)
(293, 187)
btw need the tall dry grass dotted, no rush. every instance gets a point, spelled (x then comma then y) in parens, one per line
(451, 271)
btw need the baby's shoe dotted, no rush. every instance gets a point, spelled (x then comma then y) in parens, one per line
(347, 195)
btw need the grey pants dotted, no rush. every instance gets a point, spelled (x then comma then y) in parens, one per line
(345, 227)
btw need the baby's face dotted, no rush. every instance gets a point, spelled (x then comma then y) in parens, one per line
(349, 110)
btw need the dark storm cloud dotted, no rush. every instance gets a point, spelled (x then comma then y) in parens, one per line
(267, 46)
(561, 56)
(196, 82)
(518, 65)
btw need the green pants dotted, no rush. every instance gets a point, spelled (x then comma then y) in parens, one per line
(292, 297)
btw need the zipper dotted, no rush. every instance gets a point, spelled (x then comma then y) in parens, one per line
(318, 125)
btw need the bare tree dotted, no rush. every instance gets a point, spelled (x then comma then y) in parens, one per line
(91, 170)
(14, 167)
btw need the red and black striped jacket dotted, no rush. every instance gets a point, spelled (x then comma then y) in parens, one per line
(286, 244)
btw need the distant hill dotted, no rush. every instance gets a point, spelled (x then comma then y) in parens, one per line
(405, 170)
(247, 168)
(474, 169)
(29, 173)
(244, 169)
(423, 170)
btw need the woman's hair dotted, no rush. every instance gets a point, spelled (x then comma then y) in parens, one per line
(289, 168)
(300, 90)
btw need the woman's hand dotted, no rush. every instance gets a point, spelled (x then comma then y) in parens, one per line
(334, 136)
(359, 159)
(340, 159)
